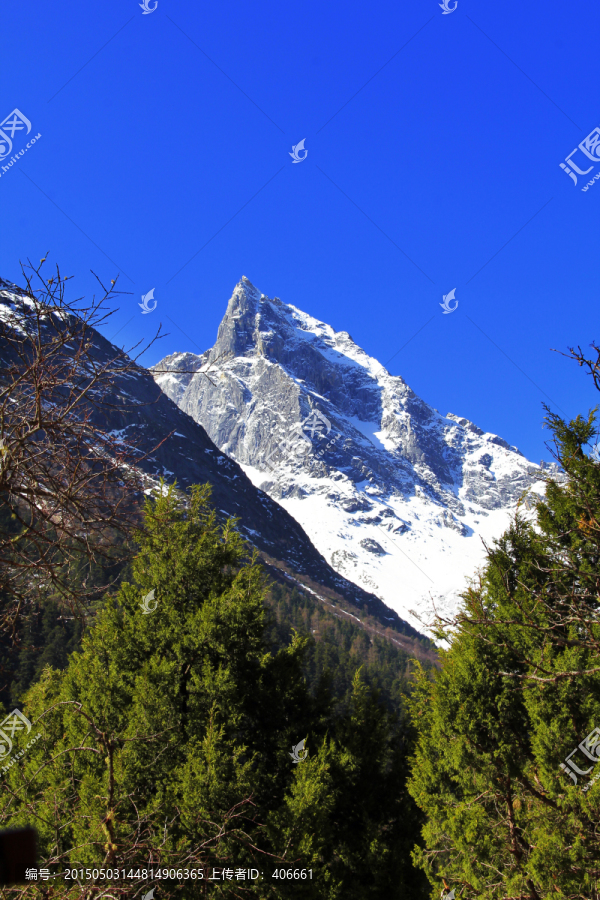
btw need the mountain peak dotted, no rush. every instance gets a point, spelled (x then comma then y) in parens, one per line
(246, 288)
(170, 444)
(236, 331)
(359, 460)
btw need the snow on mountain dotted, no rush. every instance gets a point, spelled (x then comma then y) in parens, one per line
(166, 442)
(396, 496)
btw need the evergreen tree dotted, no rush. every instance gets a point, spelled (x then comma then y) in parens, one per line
(166, 742)
(519, 691)
(351, 809)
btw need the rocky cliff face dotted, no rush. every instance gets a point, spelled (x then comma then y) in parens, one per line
(396, 496)
(139, 414)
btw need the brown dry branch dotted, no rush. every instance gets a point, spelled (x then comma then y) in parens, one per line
(592, 366)
(69, 488)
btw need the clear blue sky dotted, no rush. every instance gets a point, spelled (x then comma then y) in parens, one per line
(166, 158)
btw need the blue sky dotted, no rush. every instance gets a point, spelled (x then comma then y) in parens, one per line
(434, 144)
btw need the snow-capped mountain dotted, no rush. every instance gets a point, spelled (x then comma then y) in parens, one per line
(396, 496)
(171, 444)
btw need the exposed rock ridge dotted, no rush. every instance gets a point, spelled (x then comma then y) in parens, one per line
(383, 462)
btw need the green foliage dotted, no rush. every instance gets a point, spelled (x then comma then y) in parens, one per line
(165, 742)
(350, 807)
(47, 639)
(49, 633)
(337, 647)
(518, 691)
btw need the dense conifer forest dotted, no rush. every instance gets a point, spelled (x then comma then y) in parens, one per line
(335, 648)
(166, 739)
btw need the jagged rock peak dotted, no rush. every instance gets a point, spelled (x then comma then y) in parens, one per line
(237, 331)
(255, 325)
(360, 460)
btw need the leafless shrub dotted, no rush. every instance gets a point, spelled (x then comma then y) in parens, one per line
(68, 486)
